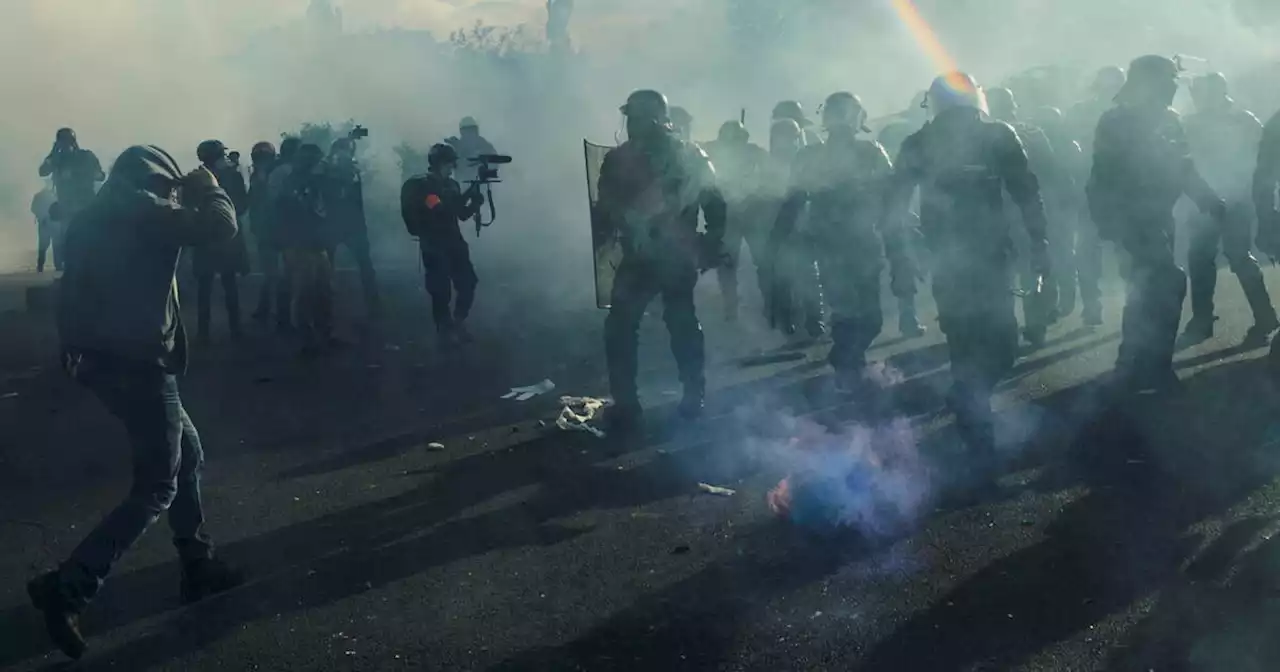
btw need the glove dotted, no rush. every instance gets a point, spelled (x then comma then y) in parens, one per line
(199, 181)
(711, 253)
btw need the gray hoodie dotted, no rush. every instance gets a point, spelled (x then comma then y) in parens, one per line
(119, 295)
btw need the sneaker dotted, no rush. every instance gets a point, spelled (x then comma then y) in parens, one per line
(206, 577)
(60, 620)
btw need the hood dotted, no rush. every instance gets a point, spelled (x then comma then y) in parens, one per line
(137, 166)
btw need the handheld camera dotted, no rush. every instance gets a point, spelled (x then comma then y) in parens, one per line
(486, 175)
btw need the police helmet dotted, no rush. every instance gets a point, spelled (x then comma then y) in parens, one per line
(789, 109)
(733, 131)
(956, 89)
(1212, 86)
(844, 109)
(647, 104)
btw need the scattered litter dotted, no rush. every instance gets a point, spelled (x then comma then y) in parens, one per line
(542, 423)
(578, 412)
(680, 550)
(717, 490)
(435, 447)
(530, 391)
(8, 395)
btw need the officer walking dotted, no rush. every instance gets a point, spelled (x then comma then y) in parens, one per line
(1223, 138)
(1141, 167)
(843, 183)
(792, 299)
(1040, 294)
(651, 189)
(1082, 120)
(344, 201)
(1064, 201)
(963, 163)
(739, 164)
(227, 259)
(433, 207)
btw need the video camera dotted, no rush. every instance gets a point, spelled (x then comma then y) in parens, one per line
(358, 133)
(486, 174)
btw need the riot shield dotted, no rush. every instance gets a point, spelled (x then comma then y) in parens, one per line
(605, 244)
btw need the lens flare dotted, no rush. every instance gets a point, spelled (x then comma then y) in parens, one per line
(927, 39)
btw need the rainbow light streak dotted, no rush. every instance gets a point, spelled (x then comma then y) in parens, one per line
(928, 40)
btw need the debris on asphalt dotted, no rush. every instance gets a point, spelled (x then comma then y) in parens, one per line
(577, 413)
(530, 391)
(717, 490)
(435, 446)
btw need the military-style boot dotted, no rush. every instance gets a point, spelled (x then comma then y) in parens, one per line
(61, 620)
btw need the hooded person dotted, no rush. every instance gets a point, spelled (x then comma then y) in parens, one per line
(122, 337)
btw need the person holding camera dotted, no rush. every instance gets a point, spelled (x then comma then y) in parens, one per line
(344, 199)
(306, 236)
(76, 173)
(226, 260)
(433, 206)
(122, 337)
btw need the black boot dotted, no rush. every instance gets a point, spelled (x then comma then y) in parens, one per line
(1199, 329)
(625, 417)
(205, 577)
(693, 403)
(60, 619)
(1261, 330)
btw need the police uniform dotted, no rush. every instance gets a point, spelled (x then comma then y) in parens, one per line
(344, 198)
(651, 194)
(1141, 167)
(963, 164)
(739, 170)
(1223, 144)
(843, 183)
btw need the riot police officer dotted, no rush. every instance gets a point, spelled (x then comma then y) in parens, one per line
(344, 201)
(963, 163)
(1082, 121)
(1266, 181)
(1141, 167)
(651, 189)
(433, 206)
(1065, 205)
(843, 184)
(739, 164)
(1223, 138)
(1040, 295)
(790, 109)
(793, 298)
(682, 123)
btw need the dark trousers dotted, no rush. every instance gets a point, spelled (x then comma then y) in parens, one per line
(311, 276)
(167, 460)
(48, 236)
(1088, 264)
(275, 284)
(851, 287)
(357, 244)
(977, 315)
(637, 283)
(795, 288)
(745, 225)
(204, 301)
(449, 274)
(1156, 287)
(1236, 241)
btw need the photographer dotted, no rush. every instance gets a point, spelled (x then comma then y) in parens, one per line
(76, 173)
(344, 201)
(226, 260)
(433, 205)
(122, 338)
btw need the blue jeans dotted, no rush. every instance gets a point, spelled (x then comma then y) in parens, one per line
(166, 470)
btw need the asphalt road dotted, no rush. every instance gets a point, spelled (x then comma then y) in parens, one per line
(1134, 536)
